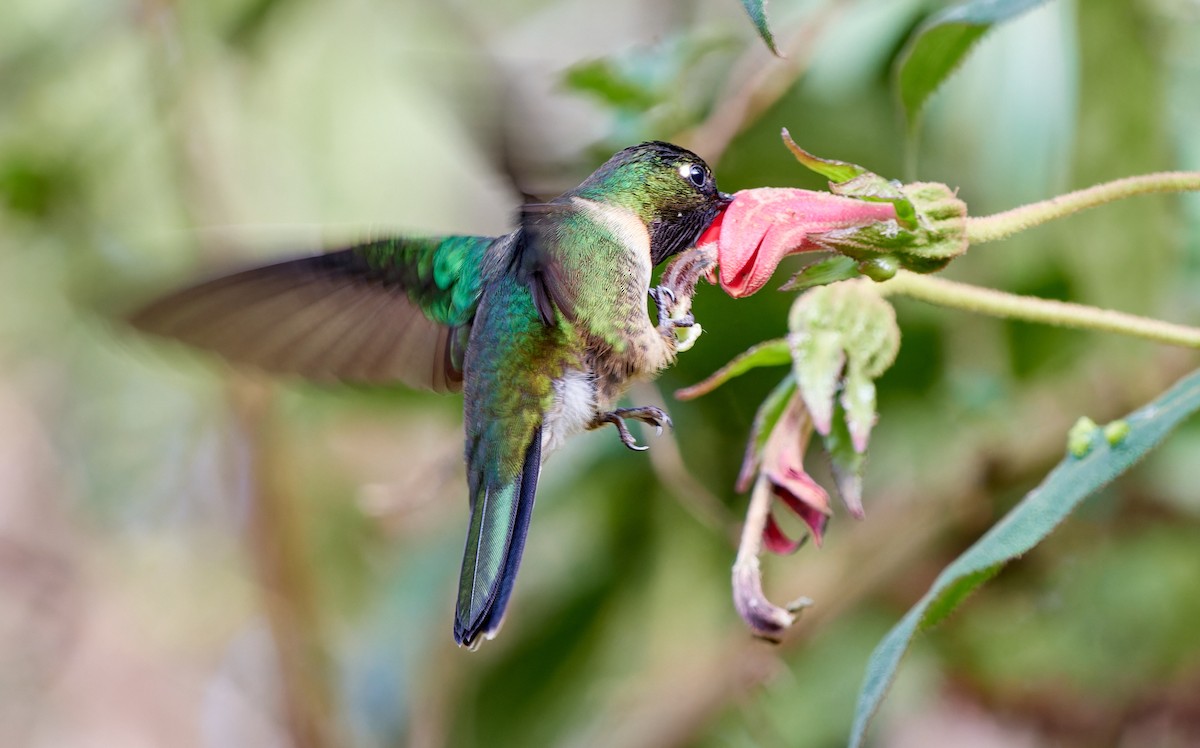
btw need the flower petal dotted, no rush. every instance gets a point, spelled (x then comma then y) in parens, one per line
(776, 541)
(713, 232)
(712, 235)
(809, 501)
(763, 225)
(783, 467)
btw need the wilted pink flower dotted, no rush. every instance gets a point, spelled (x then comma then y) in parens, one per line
(764, 225)
(783, 468)
(781, 476)
(765, 618)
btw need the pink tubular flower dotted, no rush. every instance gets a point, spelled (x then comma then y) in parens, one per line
(764, 225)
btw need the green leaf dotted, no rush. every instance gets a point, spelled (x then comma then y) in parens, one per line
(758, 15)
(652, 90)
(858, 398)
(939, 45)
(847, 462)
(835, 171)
(831, 325)
(609, 84)
(818, 357)
(768, 353)
(823, 272)
(851, 180)
(1025, 526)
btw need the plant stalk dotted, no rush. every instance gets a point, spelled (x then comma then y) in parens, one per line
(1032, 309)
(1001, 225)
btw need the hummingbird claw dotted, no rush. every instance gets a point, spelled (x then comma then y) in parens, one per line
(662, 296)
(664, 299)
(627, 438)
(656, 417)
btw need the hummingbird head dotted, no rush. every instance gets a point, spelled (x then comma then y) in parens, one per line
(670, 188)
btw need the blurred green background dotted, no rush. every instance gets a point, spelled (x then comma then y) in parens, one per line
(191, 556)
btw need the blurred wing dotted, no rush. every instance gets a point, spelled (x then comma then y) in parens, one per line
(545, 229)
(380, 312)
(571, 252)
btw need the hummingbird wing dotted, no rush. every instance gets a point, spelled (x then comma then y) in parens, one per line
(378, 312)
(540, 265)
(572, 251)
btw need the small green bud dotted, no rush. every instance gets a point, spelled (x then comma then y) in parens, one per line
(879, 268)
(1116, 432)
(942, 234)
(1081, 436)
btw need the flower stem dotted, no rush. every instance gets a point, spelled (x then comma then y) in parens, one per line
(1000, 225)
(1032, 309)
(765, 618)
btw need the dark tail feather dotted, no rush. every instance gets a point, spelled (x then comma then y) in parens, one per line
(495, 541)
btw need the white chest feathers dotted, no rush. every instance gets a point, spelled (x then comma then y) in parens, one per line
(573, 410)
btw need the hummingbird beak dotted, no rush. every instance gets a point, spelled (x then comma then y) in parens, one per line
(724, 199)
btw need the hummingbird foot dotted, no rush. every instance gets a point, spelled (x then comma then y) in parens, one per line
(656, 417)
(687, 320)
(670, 325)
(664, 299)
(674, 294)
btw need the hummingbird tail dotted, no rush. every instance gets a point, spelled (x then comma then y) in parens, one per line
(500, 515)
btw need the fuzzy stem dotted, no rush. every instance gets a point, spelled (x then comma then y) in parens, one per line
(1000, 225)
(1032, 309)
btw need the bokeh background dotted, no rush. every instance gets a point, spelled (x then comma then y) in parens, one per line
(192, 556)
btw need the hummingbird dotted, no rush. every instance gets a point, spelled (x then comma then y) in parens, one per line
(542, 329)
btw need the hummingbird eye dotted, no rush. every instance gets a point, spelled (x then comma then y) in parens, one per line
(694, 173)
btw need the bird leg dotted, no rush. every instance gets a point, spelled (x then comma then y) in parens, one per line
(656, 417)
(673, 296)
(664, 299)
